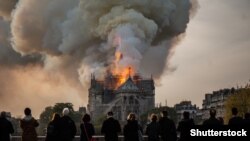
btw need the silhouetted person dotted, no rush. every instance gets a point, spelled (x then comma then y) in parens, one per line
(235, 120)
(28, 125)
(87, 129)
(131, 129)
(246, 120)
(167, 128)
(221, 120)
(53, 128)
(110, 128)
(67, 127)
(153, 129)
(6, 128)
(184, 126)
(212, 121)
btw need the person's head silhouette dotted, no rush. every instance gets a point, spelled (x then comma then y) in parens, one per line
(3, 114)
(164, 113)
(186, 115)
(86, 118)
(212, 113)
(110, 114)
(154, 117)
(234, 111)
(247, 115)
(27, 112)
(131, 117)
(65, 112)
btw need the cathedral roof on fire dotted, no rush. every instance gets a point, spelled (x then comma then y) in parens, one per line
(128, 86)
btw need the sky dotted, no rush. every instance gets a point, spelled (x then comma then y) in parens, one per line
(48, 49)
(215, 53)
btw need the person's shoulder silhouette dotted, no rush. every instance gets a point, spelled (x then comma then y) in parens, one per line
(110, 128)
(212, 121)
(246, 120)
(167, 128)
(6, 127)
(235, 120)
(184, 126)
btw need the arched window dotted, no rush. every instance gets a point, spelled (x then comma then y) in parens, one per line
(124, 99)
(131, 100)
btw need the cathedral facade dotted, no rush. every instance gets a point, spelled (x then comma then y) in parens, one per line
(134, 94)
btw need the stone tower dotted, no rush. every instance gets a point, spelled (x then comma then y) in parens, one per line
(135, 95)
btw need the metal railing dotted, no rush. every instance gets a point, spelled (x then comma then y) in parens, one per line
(77, 138)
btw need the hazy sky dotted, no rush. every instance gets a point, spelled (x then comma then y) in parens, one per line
(215, 53)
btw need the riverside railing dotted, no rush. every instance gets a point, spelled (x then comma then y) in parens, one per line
(77, 138)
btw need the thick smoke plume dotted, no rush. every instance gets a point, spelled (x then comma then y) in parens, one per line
(6, 7)
(74, 38)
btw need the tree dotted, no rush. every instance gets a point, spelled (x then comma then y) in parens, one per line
(46, 115)
(98, 123)
(240, 100)
(58, 108)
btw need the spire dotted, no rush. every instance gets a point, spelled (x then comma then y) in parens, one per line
(129, 71)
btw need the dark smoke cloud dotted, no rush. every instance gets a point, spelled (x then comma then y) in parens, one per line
(9, 57)
(74, 38)
(6, 7)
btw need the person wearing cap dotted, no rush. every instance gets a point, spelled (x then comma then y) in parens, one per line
(6, 128)
(110, 128)
(28, 125)
(67, 126)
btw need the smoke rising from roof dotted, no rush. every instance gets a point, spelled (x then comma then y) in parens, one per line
(79, 37)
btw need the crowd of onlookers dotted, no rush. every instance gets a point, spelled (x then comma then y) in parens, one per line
(63, 128)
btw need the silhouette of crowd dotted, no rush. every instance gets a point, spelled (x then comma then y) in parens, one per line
(63, 128)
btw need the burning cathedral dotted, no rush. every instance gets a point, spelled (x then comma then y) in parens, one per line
(121, 95)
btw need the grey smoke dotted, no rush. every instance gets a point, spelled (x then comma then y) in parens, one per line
(6, 7)
(88, 30)
(78, 37)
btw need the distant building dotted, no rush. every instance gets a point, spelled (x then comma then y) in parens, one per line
(216, 100)
(186, 106)
(134, 94)
(82, 110)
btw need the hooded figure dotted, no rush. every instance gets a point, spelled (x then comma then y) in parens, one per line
(28, 125)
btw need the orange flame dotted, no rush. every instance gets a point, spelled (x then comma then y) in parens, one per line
(122, 72)
(125, 73)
